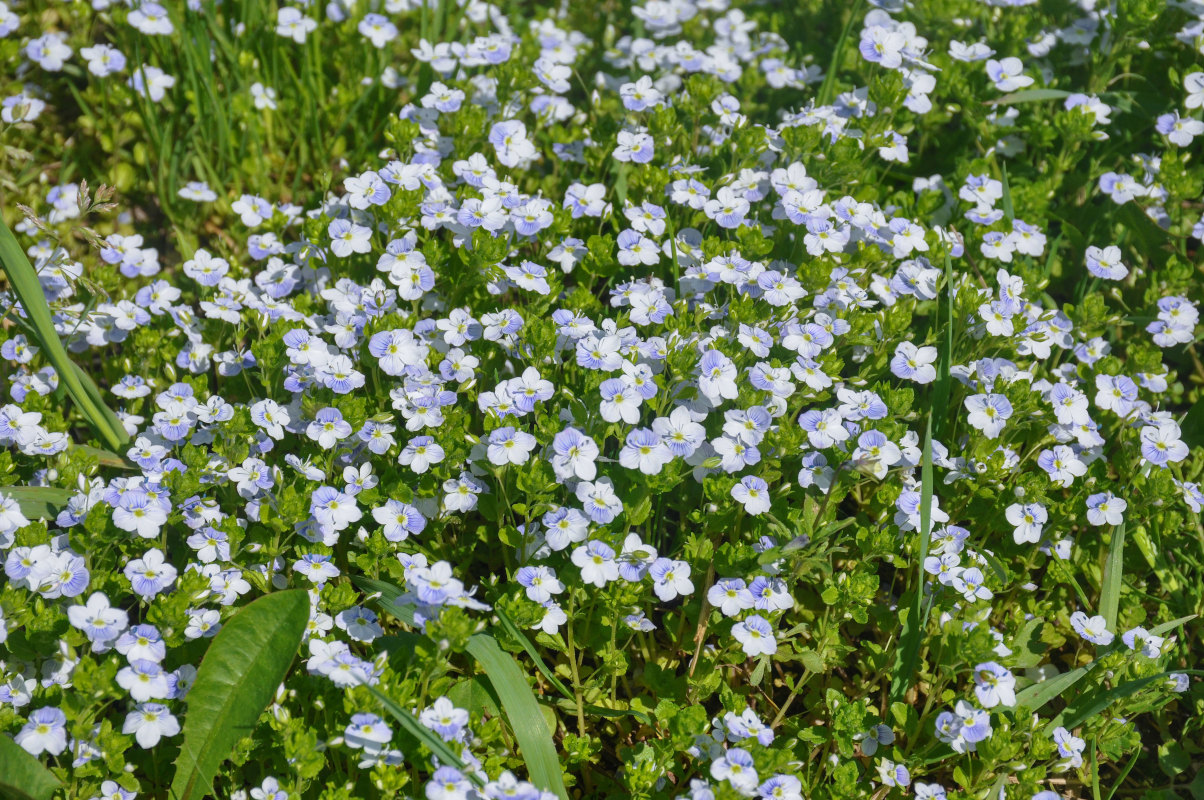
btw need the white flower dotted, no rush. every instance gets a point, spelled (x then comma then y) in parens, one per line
(149, 722)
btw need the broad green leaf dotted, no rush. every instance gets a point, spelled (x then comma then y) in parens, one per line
(22, 777)
(522, 713)
(1030, 96)
(28, 289)
(1109, 601)
(1192, 424)
(38, 502)
(475, 693)
(1151, 241)
(238, 677)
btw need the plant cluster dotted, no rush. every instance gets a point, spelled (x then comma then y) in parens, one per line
(662, 399)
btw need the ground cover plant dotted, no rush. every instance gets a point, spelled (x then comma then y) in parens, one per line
(666, 399)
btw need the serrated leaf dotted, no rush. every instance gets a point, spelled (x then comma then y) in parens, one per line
(522, 713)
(237, 679)
(23, 777)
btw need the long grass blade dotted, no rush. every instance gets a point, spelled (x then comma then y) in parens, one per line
(829, 85)
(1030, 96)
(916, 620)
(1087, 706)
(28, 289)
(1009, 210)
(1036, 696)
(520, 638)
(424, 734)
(1109, 603)
(522, 712)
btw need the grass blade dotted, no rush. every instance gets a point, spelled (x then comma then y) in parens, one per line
(1109, 601)
(944, 380)
(1030, 96)
(1167, 627)
(424, 734)
(1087, 706)
(104, 457)
(520, 638)
(28, 289)
(522, 712)
(829, 84)
(1009, 210)
(237, 680)
(916, 621)
(23, 776)
(1036, 696)
(38, 502)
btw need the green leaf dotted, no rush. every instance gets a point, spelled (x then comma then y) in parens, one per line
(1093, 703)
(238, 678)
(944, 380)
(1027, 648)
(1036, 696)
(1009, 210)
(1167, 627)
(105, 457)
(28, 289)
(522, 712)
(520, 638)
(1109, 601)
(389, 597)
(23, 777)
(1192, 424)
(1029, 96)
(916, 620)
(475, 693)
(829, 85)
(38, 502)
(1151, 241)
(424, 734)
